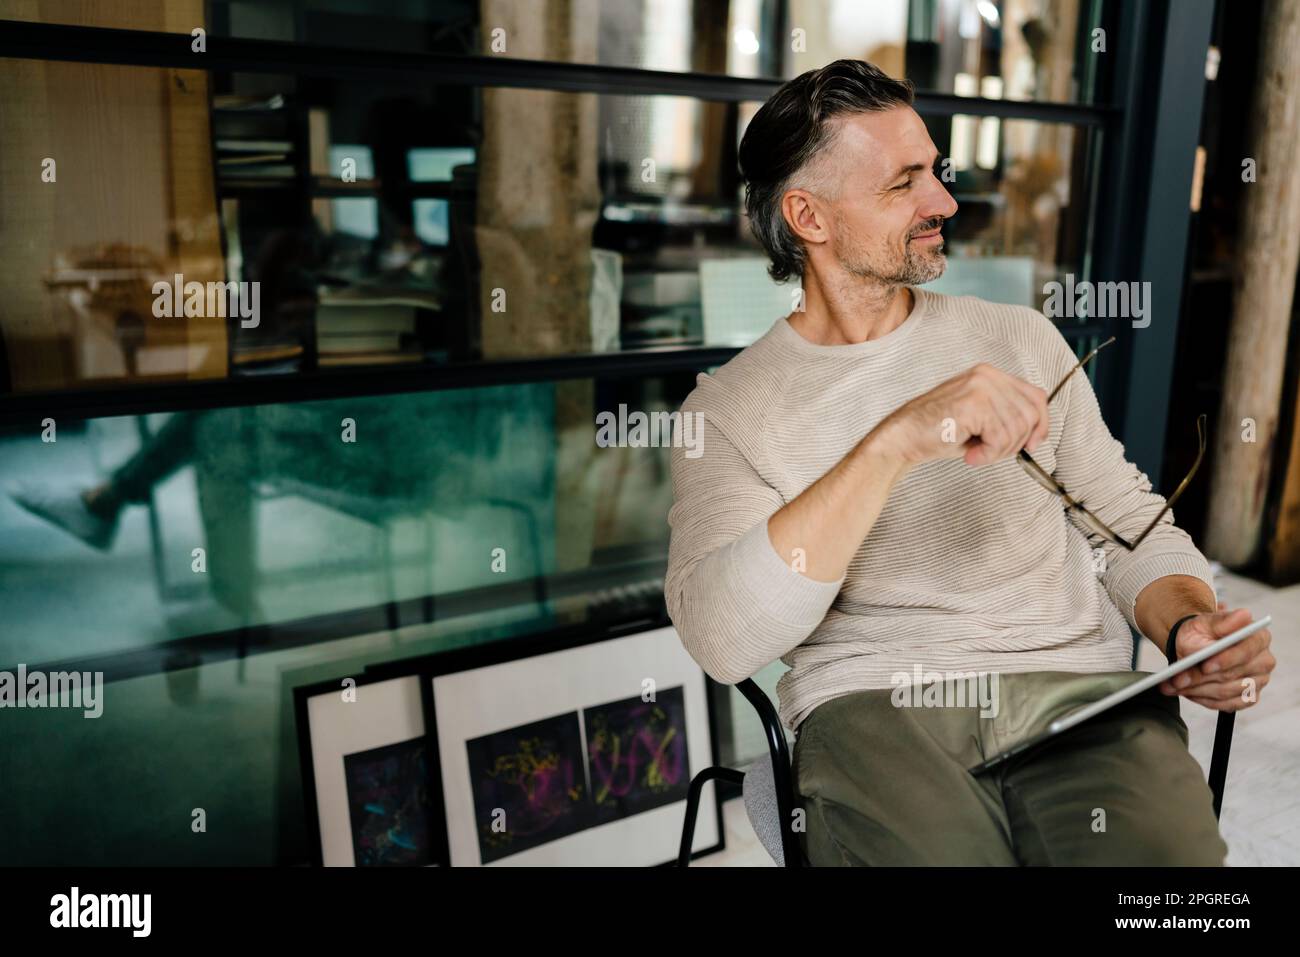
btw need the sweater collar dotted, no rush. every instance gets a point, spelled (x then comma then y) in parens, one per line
(786, 334)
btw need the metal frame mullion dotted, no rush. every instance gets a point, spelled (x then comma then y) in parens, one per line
(1118, 230)
(46, 41)
(1164, 204)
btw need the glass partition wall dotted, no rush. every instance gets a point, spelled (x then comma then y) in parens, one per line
(306, 332)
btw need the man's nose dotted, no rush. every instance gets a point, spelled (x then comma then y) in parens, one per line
(940, 204)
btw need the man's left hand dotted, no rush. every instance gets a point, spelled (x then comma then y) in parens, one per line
(1232, 679)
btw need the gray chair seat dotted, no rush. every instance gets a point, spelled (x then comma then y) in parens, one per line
(759, 795)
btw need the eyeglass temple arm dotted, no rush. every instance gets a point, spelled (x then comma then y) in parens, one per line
(1169, 502)
(1077, 366)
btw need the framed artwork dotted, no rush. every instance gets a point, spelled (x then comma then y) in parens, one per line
(574, 747)
(368, 779)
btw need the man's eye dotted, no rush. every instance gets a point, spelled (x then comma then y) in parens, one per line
(907, 185)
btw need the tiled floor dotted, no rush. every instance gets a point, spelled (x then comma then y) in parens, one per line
(1261, 806)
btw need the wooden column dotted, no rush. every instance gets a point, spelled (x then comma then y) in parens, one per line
(538, 196)
(1268, 249)
(1284, 548)
(538, 202)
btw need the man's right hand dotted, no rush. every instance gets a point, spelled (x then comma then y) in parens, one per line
(983, 415)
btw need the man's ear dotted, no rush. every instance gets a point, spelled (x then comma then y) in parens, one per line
(806, 216)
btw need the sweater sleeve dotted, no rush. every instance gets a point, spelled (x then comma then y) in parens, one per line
(1091, 466)
(735, 602)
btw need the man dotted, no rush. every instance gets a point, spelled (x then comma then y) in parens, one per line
(858, 512)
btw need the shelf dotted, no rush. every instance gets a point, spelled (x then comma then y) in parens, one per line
(143, 397)
(409, 190)
(668, 213)
(139, 398)
(233, 185)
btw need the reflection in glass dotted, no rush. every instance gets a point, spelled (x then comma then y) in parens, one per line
(384, 225)
(1012, 49)
(313, 508)
(464, 497)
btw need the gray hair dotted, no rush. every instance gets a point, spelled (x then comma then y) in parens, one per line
(790, 131)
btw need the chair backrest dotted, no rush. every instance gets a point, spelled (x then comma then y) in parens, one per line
(782, 786)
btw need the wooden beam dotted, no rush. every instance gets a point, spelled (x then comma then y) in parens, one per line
(1284, 546)
(1267, 254)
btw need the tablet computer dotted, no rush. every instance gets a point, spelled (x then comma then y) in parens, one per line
(1080, 715)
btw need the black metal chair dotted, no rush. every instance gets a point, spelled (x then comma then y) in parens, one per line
(767, 787)
(768, 790)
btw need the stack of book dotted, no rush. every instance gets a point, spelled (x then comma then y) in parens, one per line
(254, 161)
(355, 329)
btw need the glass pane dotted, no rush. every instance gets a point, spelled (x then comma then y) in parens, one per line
(1013, 49)
(236, 224)
(1001, 49)
(325, 224)
(229, 555)
(315, 508)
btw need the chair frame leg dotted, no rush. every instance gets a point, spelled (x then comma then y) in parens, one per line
(693, 805)
(1218, 777)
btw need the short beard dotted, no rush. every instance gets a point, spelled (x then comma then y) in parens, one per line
(919, 265)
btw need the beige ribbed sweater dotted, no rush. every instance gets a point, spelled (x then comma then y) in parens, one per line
(966, 569)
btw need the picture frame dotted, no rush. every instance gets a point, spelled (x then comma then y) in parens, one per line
(370, 784)
(573, 746)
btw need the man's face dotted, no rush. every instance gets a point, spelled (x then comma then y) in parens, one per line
(886, 204)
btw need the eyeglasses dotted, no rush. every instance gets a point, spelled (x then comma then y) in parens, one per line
(1092, 522)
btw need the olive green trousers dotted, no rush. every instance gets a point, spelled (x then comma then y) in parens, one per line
(887, 784)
